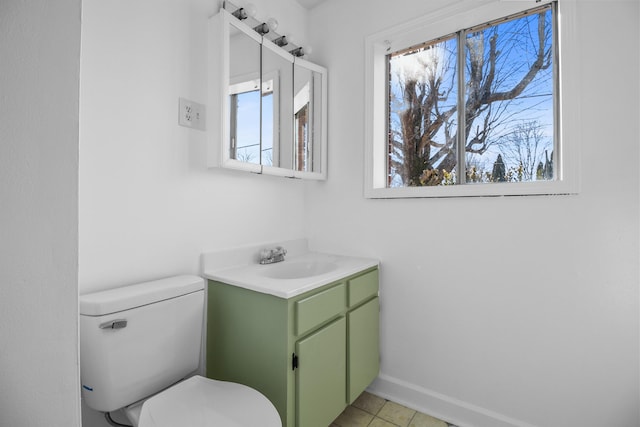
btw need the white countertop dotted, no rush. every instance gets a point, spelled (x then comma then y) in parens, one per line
(255, 276)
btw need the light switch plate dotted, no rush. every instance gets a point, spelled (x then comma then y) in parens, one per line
(191, 114)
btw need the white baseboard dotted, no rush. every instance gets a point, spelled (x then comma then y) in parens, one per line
(446, 408)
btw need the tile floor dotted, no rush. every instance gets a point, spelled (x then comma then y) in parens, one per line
(370, 410)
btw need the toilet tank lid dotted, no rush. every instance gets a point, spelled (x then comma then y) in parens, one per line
(131, 296)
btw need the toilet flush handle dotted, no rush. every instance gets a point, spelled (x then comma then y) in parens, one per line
(114, 324)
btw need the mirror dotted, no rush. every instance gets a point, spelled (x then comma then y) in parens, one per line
(268, 105)
(244, 98)
(277, 129)
(307, 116)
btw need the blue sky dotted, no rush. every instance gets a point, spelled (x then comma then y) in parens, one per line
(517, 44)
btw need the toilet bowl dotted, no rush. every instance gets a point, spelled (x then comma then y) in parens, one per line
(138, 343)
(203, 402)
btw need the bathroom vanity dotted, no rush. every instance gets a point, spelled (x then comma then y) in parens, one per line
(310, 348)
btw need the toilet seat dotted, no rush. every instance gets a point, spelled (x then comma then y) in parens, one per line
(203, 402)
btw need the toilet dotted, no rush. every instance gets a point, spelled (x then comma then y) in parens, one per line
(139, 347)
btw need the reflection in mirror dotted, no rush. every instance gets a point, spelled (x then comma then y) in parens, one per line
(319, 112)
(268, 105)
(302, 122)
(277, 128)
(307, 103)
(269, 112)
(244, 97)
(244, 108)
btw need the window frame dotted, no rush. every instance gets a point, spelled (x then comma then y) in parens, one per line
(268, 84)
(444, 22)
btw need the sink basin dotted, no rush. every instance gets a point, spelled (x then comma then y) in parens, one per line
(302, 271)
(299, 269)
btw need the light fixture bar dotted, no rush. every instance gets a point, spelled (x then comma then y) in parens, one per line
(248, 12)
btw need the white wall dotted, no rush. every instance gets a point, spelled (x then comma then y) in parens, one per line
(39, 79)
(148, 205)
(547, 336)
(519, 311)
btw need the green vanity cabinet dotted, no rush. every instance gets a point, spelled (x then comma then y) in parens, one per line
(311, 355)
(320, 385)
(362, 355)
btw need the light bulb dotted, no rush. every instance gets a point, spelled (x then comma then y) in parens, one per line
(250, 9)
(272, 23)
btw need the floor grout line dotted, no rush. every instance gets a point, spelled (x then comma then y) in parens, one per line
(368, 406)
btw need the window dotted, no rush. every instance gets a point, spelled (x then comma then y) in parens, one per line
(246, 107)
(475, 111)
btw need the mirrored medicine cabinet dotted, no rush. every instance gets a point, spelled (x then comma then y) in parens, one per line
(267, 107)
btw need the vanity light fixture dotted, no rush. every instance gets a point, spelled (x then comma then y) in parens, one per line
(281, 41)
(265, 27)
(299, 51)
(249, 11)
(262, 29)
(240, 14)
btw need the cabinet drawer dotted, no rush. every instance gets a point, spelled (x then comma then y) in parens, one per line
(363, 287)
(318, 308)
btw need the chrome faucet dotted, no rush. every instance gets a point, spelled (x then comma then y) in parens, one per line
(269, 256)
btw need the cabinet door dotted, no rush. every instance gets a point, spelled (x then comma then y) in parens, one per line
(364, 357)
(321, 376)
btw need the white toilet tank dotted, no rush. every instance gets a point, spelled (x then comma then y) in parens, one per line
(137, 340)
